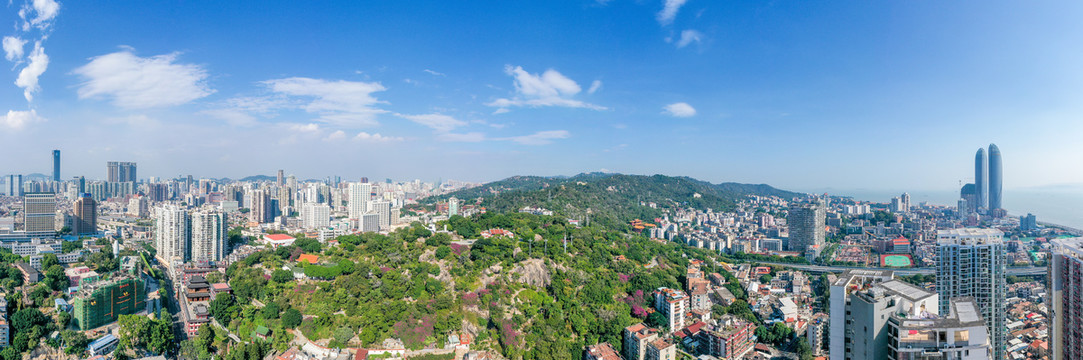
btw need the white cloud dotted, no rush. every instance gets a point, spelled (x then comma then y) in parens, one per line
(434, 73)
(541, 137)
(232, 116)
(46, 10)
(340, 102)
(679, 109)
(238, 111)
(306, 128)
(28, 76)
(17, 120)
(594, 86)
(551, 88)
(13, 48)
(467, 137)
(438, 122)
(669, 11)
(364, 136)
(135, 82)
(688, 37)
(337, 135)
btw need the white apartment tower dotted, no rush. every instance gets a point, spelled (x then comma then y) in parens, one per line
(209, 234)
(172, 234)
(674, 305)
(383, 209)
(971, 263)
(358, 203)
(316, 216)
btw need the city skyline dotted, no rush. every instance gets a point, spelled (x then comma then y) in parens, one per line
(697, 83)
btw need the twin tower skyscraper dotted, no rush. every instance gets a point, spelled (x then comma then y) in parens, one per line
(988, 179)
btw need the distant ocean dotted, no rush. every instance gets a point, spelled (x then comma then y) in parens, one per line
(1061, 205)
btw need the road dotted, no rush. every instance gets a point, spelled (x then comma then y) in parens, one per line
(1030, 270)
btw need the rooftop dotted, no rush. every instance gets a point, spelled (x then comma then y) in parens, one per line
(970, 236)
(603, 351)
(906, 290)
(850, 275)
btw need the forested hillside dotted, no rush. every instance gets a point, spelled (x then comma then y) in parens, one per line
(608, 198)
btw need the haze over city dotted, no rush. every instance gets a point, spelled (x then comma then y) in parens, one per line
(890, 96)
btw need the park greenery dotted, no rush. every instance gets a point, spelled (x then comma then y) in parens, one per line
(524, 296)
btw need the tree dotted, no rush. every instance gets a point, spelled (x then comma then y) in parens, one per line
(220, 308)
(438, 239)
(25, 319)
(161, 336)
(55, 278)
(765, 278)
(291, 318)
(271, 311)
(205, 339)
(442, 252)
(76, 341)
(657, 320)
(281, 276)
(49, 260)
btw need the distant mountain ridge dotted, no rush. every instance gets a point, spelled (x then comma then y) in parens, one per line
(609, 197)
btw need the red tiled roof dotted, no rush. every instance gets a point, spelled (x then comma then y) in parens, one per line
(278, 237)
(310, 258)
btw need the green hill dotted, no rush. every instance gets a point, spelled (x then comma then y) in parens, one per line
(609, 198)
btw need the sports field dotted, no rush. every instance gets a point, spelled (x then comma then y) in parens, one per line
(896, 260)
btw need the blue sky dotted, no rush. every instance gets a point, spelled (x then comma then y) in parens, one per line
(847, 95)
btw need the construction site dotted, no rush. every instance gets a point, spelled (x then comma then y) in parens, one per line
(103, 302)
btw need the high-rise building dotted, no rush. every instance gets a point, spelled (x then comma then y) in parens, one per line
(138, 206)
(316, 216)
(120, 171)
(172, 234)
(971, 263)
(1066, 299)
(39, 212)
(1028, 222)
(960, 334)
(281, 180)
(360, 194)
(842, 328)
(11, 185)
(369, 223)
(262, 209)
(382, 208)
(56, 165)
(452, 206)
(80, 184)
(673, 304)
(970, 194)
(868, 337)
(806, 223)
(86, 216)
(996, 178)
(980, 179)
(209, 234)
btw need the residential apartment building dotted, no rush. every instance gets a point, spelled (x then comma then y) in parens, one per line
(972, 263)
(958, 335)
(847, 284)
(1066, 299)
(674, 304)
